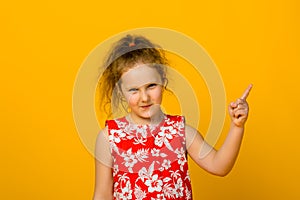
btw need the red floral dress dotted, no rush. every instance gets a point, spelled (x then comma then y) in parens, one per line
(149, 162)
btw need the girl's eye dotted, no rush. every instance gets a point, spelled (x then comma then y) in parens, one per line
(152, 85)
(133, 90)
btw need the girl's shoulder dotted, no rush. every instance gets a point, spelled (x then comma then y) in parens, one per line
(110, 124)
(103, 131)
(117, 123)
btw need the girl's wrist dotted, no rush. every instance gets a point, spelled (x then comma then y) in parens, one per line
(237, 126)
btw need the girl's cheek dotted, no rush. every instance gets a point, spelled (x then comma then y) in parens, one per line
(157, 93)
(132, 98)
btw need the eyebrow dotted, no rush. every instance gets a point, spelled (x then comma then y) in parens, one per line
(137, 87)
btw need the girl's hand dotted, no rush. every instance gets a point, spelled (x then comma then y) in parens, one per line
(238, 110)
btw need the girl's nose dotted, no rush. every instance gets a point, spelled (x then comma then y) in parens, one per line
(144, 96)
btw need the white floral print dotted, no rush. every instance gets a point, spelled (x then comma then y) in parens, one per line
(149, 163)
(163, 137)
(165, 165)
(178, 188)
(181, 157)
(126, 192)
(155, 152)
(116, 135)
(154, 184)
(139, 193)
(129, 160)
(142, 155)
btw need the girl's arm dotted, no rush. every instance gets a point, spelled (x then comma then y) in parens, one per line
(103, 170)
(221, 162)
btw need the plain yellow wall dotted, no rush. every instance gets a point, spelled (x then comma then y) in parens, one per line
(43, 44)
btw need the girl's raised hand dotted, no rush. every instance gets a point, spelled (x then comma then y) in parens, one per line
(238, 110)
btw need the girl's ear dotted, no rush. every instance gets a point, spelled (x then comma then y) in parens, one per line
(165, 83)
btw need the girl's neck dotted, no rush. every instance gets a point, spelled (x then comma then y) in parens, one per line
(154, 120)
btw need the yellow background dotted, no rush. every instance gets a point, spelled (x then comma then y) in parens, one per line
(43, 44)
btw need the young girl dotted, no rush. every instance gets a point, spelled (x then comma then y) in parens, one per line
(143, 155)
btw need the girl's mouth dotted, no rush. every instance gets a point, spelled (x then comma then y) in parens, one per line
(146, 106)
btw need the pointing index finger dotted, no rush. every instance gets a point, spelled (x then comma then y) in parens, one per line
(246, 93)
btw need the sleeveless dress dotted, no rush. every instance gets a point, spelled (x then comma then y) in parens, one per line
(149, 162)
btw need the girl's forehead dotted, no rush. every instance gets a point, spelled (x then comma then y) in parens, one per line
(140, 75)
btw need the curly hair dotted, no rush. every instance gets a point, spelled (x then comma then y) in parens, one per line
(125, 53)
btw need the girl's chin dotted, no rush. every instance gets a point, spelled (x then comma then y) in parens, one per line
(146, 115)
(152, 115)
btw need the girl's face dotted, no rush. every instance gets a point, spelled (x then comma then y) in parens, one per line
(142, 87)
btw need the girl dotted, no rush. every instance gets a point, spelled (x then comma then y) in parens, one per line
(143, 155)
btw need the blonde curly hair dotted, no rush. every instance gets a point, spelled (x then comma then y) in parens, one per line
(125, 53)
